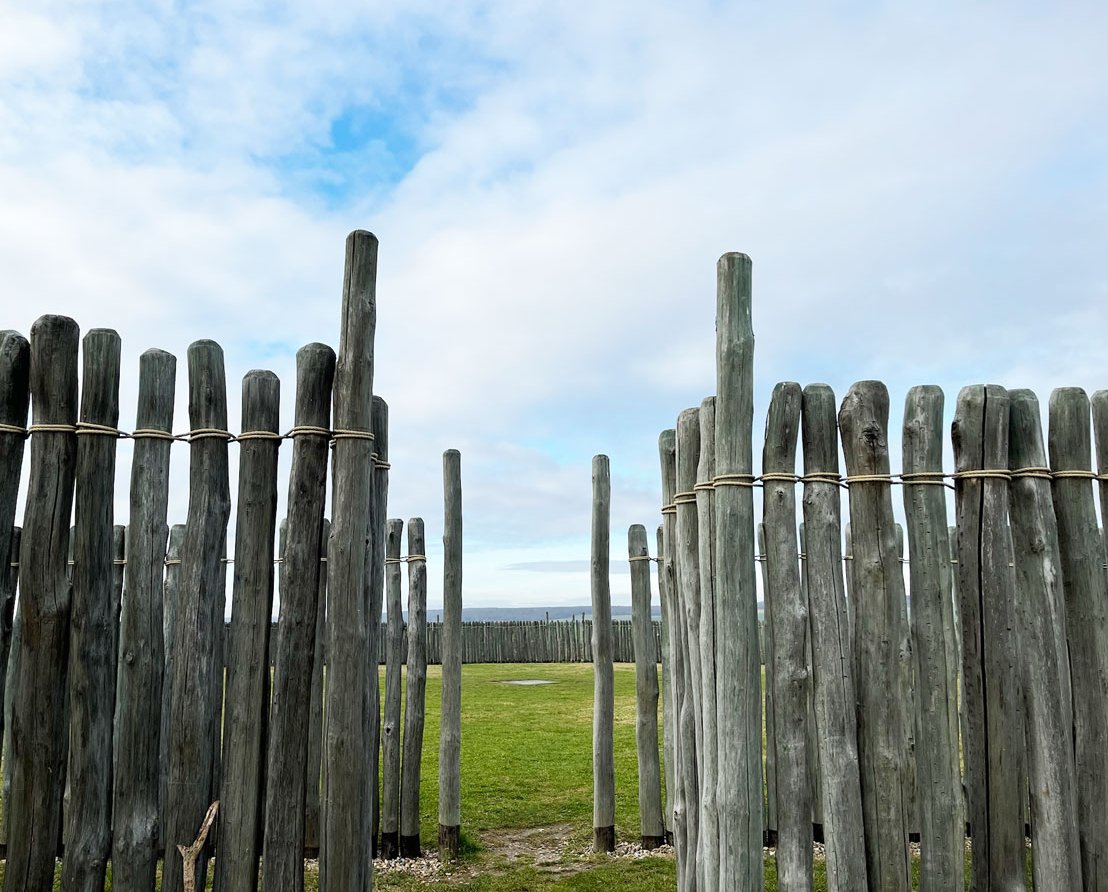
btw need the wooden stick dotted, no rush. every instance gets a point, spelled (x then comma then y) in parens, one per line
(390, 726)
(375, 603)
(603, 710)
(414, 705)
(668, 756)
(450, 729)
(190, 853)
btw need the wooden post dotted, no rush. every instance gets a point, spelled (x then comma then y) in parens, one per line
(375, 603)
(706, 634)
(942, 820)
(414, 704)
(88, 818)
(345, 863)
(192, 737)
(245, 727)
(878, 591)
(789, 619)
(832, 665)
(38, 730)
(991, 690)
(688, 625)
(668, 755)
(390, 727)
(603, 704)
(738, 703)
(765, 646)
(15, 370)
(292, 777)
(1086, 596)
(170, 602)
(314, 777)
(1041, 612)
(450, 728)
(646, 692)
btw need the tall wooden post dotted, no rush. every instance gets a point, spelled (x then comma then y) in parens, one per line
(192, 737)
(88, 818)
(1086, 594)
(414, 704)
(345, 863)
(314, 778)
(878, 591)
(991, 690)
(1048, 694)
(668, 755)
(789, 617)
(245, 726)
(603, 755)
(738, 669)
(378, 516)
(38, 730)
(646, 692)
(390, 726)
(832, 665)
(450, 730)
(171, 599)
(942, 818)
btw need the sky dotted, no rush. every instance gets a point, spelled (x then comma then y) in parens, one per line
(923, 189)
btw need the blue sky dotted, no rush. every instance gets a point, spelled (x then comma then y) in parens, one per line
(923, 190)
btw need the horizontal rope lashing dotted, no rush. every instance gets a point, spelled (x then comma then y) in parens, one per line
(52, 429)
(748, 480)
(685, 498)
(640, 557)
(102, 430)
(415, 557)
(393, 561)
(259, 435)
(779, 478)
(13, 429)
(669, 509)
(707, 486)
(150, 433)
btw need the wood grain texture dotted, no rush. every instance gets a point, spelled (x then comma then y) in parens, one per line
(92, 668)
(171, 594)
(345, 863)
(878, 595)
(292, 778)
(199, 621)
(390, 724)
(665, 689)
(375, 603)
(38, 740)
(603, 710)
(738, 703)
(415, 701)
(450, 727)
(1086, 594)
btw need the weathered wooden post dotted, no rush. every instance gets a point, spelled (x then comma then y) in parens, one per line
(378, 517)
(390, 726)
(708, 756)
(789, 619)
(38, 735)
(245, 726)
(314, 777)
(738, 698)
(417, 688)
(666, 689)
(15, 395)
(765, 645)
(688, 623)
(646, 692)
(1086, 595)
(450, 728)
(878, 587)
(345, 863)
(92, 670)
(171, 599)
(603, 718)
(1048, 694)
(292, 776)
(192, 737)
(832, 665)
(991, 690)
(942, 820)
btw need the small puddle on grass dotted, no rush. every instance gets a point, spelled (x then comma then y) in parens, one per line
(528, 681)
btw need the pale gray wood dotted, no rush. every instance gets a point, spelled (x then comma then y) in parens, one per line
(314, 776)
(450, 727)
(192, 728)
(906, 696)
(88, 817)
(686, 554)
(374, 604)
(415, 701)
(709, 752)
(390, 725)
(1046, 664)
(665, 689)
(651, 828)
(832, 665)
(242, 791)
(292, 776)
(991, 690)
(38, 740)
(15, 398)
(345, 863)
(789, 622)
(11, 673)
(942, 820)
(170, 602)
(766, 647)
(119, 562)
(738, 703)
(603, 710)
(878, 591)
(815, 775)
(1086, 596)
